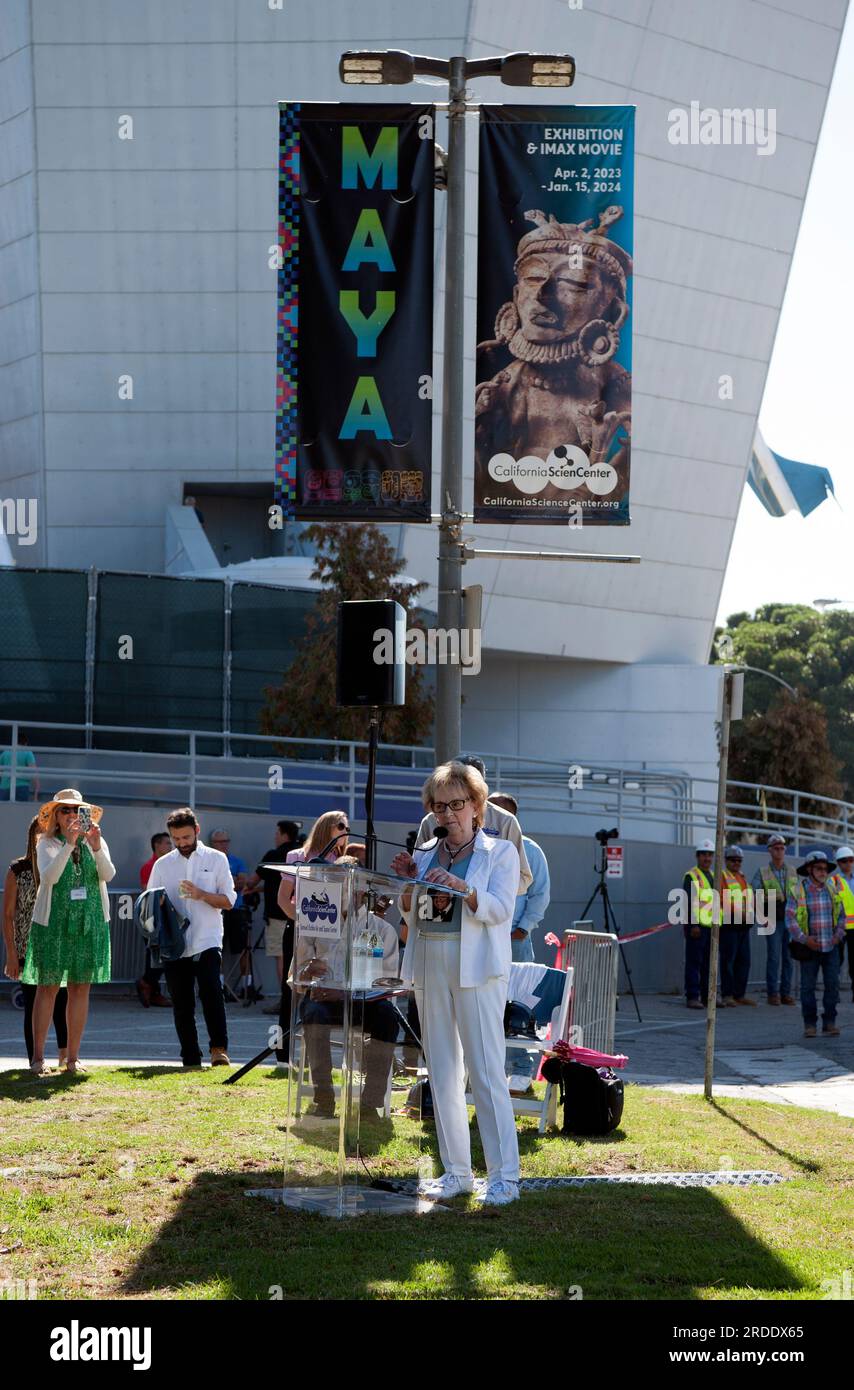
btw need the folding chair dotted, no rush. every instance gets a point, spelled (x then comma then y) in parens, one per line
(518, 990)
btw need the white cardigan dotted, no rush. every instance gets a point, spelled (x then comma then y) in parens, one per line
(52, 855)
(485, 949)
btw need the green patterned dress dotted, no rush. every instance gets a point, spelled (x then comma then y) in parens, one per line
(74, 946)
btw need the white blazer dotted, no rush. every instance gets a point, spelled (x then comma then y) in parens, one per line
(52, 856)
(485, 949)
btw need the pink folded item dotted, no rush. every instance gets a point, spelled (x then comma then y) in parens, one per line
(587, 1056)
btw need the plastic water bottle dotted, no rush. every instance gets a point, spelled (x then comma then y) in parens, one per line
(377, 954)
(362, 961)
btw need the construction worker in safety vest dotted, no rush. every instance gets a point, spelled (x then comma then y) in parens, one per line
(844, 878)
(816, 920)
(779, 878)
(699, 893)
(736, 921)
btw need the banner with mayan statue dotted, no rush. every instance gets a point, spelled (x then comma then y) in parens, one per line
(355, 316)
(553, 396)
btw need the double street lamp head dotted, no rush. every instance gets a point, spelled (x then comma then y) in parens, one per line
(394, 67)
(537, 70)
(391, 66)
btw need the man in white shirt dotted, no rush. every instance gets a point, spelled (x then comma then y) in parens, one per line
(197, 880)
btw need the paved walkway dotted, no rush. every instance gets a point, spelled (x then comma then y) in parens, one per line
(761, 1053)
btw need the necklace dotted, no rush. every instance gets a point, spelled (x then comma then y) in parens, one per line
(455, 853)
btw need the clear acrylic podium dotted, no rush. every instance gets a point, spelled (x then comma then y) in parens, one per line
(346, 1016)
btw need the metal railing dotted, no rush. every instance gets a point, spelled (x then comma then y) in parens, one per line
(210, 772)
(594, 959)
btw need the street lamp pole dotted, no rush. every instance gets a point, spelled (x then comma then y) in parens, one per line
(394, 66)
(731, 704)
(451, 555)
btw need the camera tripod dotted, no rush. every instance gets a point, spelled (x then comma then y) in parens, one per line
(243, 968)
(610, 924)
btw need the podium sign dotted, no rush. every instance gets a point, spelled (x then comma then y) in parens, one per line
(345, 1023)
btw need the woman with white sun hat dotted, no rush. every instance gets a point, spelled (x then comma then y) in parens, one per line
(69, 940)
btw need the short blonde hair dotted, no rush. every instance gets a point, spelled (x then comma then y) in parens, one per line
(465, 776)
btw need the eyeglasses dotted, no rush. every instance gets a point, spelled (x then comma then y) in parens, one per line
(440, 808)
(66, 811)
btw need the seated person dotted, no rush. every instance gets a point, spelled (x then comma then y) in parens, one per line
(319, 976)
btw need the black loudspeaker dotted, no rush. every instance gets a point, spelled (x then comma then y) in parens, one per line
(371, 669)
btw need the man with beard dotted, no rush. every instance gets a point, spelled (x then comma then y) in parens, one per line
(198, 883)
(547, 379)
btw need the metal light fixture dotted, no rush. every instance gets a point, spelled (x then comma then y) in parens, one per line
(538, 70)
(364, 68)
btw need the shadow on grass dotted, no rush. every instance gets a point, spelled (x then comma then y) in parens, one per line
(614, 1243)
(530, 1141)
(144, 1073)
(24, 1088)
(807, 1165)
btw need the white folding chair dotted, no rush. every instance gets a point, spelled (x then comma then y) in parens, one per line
(522, 1105)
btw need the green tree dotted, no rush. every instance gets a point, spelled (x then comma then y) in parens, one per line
(786, 746)
(353, 561)
(815, 653)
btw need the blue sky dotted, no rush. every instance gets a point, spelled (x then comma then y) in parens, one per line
(807, 408)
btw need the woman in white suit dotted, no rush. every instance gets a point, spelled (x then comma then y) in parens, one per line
(458, 958)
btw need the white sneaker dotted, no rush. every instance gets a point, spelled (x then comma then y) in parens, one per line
(499, 1194)
(449, 1185)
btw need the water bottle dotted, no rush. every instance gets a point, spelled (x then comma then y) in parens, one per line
(377, 954)
(361, 962)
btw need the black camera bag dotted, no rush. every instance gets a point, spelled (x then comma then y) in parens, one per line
(592, 1097)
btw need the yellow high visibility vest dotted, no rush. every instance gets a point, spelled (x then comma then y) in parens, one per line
(704, 896)
(735, 901)
(843, 888)
(837, 900)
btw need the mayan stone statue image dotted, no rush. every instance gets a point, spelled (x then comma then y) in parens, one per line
(547, 382)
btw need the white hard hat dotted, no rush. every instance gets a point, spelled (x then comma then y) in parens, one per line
(845, 852)
(777, 840)
(705, 847)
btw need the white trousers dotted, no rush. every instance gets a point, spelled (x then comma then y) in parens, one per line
(463, 1030)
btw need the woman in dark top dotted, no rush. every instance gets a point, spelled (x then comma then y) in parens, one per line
(19, 896)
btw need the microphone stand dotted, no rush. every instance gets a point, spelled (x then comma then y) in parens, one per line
(370, 789)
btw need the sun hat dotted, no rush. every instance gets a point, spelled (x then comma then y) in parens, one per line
(815, 856)
(67, 797)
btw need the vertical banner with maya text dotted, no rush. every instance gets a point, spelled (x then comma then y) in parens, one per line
(553, 396)
(355, 311)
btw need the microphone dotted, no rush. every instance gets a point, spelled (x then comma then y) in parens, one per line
(319, 858)
(439, 834)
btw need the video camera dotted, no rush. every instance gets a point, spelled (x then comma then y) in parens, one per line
(603, 836)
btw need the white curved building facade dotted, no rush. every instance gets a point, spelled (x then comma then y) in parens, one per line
(149, 258)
